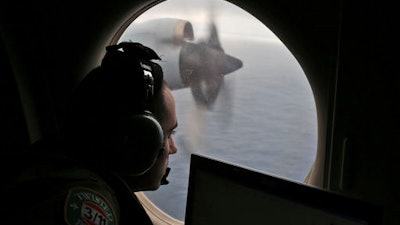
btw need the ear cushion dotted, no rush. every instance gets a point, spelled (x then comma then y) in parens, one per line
(108, 116)
(142, 144)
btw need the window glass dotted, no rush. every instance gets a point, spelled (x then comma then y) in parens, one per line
(260, 114)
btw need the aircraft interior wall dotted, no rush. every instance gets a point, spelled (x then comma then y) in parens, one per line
(13, 125)
(364, 141)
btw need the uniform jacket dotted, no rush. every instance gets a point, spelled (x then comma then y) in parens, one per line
(59, 191)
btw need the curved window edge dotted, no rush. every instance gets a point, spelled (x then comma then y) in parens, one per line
(158, 216)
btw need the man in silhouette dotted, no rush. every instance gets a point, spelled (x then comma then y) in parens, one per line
(116, 140)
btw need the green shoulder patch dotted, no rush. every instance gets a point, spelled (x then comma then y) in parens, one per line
(85, 206)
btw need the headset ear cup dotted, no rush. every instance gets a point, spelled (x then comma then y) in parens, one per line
(143, 141)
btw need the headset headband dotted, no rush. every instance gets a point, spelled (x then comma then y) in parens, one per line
(133, 57)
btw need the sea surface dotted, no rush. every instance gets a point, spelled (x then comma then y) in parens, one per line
(264, 118)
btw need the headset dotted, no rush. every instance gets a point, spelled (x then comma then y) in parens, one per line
(119, 128)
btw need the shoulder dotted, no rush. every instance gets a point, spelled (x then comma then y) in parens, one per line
(85, 205)
(58, 192)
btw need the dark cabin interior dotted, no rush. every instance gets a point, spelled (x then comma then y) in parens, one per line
(346, 48)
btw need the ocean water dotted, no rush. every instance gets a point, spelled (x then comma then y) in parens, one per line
(264, 118)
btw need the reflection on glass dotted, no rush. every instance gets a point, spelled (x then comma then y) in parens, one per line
(241, 95)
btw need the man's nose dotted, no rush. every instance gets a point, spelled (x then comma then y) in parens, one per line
(173, 147)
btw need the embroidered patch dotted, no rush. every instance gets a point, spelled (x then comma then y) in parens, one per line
(85, 206)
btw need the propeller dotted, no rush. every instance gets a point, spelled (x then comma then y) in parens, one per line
(203, 66)
(200, 64)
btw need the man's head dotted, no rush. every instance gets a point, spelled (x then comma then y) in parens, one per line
(122, 113)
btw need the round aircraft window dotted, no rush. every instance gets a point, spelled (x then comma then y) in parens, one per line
(240, 94)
